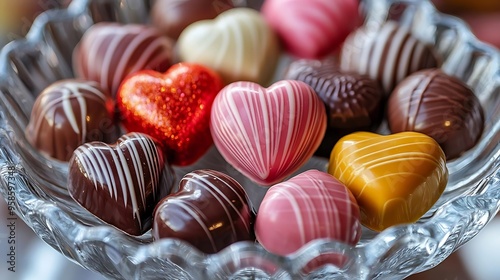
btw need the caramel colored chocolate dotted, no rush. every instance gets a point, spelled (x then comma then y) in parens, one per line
(439, 105)
(387, 54)
(210, 211)
(69, 113)
(395, 178)
(173, 16)
(121, 183)
(353, 101)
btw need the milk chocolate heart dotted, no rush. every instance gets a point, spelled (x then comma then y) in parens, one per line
(108, 52)
(238, 44)
(120, 183)
(395, 178)
(312, 28)
(309, 206)
(173, 16)
(267, 134)
(210, 211)
(173, 107)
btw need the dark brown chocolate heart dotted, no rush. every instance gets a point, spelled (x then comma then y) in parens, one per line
(353, 101)
(121, 183)
(210, 211)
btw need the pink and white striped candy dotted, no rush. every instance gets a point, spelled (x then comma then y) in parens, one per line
(108, 52)
(267, 134)
(309, 206)
(312, 28)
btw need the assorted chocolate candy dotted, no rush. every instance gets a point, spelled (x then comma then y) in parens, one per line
(68, 114)
(222, 93)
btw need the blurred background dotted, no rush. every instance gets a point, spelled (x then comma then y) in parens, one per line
(476, 260)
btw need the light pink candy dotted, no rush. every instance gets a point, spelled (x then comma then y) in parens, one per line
(267, 134)
(312, 28)
(309, 206)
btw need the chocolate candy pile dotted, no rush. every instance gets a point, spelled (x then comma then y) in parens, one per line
(201, 75)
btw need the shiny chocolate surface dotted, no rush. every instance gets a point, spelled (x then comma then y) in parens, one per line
(210, 211)
(440, 106)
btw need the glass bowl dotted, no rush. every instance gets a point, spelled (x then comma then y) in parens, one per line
(34, 186)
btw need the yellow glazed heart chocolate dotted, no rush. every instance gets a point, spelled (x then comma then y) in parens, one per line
(395, 178)
(238, 44)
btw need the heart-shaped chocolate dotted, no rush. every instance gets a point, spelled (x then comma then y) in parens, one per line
(238, 44)
(309, 206)
(173, 16)
(267, 134)
(353, 101)
(395, 178)
(312, 28)
(108, 52)
(121, 183)
(69, 113)
(210, 211)
(173, 107)
(387, 54)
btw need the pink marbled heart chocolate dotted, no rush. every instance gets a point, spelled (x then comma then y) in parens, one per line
(312, 28)
(309, 206)
(267, 134)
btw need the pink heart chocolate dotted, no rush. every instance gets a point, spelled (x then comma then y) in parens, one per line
(267, 134)
(312, 28)
(121, 183)
(311, 205)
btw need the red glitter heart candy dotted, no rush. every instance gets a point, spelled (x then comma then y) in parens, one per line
(174, 107)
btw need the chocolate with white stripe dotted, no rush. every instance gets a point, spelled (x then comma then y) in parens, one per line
(69, 113)
(387, 54)
(210, 211)
(121, 183)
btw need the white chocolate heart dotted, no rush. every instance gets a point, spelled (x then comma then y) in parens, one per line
(238, 44)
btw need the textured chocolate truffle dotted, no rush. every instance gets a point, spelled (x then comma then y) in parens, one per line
(108, 52)
(69, 113)
(387, 54)
(439, 105)
(173, 16)
(120, 183)
(210, 211)
(353, 101)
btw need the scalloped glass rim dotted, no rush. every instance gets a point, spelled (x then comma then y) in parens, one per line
(470, 201)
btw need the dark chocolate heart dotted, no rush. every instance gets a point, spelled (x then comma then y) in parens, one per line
(121, 183)
(210, 211)
(353, 101)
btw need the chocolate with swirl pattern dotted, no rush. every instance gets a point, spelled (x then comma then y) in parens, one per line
(439, 105)
(353, 102)
(210, 211)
